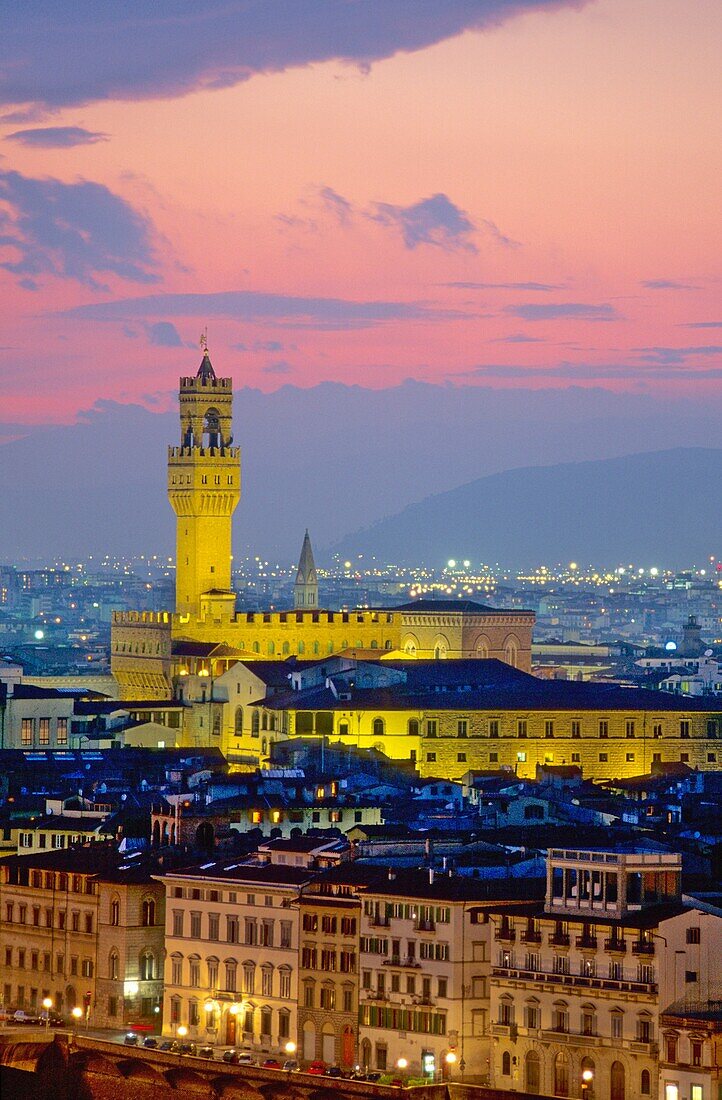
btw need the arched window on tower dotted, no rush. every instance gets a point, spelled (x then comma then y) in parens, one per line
(238, 723)
(212, 428)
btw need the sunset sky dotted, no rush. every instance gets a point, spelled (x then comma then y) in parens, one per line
(515, 193)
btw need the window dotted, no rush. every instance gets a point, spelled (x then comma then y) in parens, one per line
(603, 758)
(521, 727)
(230, 977)
(549, 728)
(176, 970)
(194, 977)
(671, 1045)
(177, 922)
(431, 727)
(115, 912)
(27, 729)
(617, 1019)
(284, 991)
(657, 730)
(645, 1083)
(532, 1015)
(693, 935)
(630, 757)
(214, 926)
(644, 1029)
(267, 981)
(87, 968)
(62, 731)
(690, 976)
(286, 933)
(148, 913)
(43, 731)
(431, 757)
(506, 1011)
(560, 1018)
(589, 1020)
(378, 727)
(696, 1052)
(413, 727)
(603, 727)
(629, 727)
(576, 728)
(506, 1064)
(328, 997)
(684, 727)
(462, 727)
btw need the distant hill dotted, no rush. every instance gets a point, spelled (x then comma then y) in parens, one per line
(663, 507)
(333, 458)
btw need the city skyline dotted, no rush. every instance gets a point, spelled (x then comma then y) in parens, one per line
(474, 194)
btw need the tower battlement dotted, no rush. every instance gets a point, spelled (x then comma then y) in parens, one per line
(231, 454)
(192, 382)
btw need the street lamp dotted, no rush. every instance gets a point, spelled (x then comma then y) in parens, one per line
(290, 1048)
(450, 1060)
(402, 1065)
(47, 1005)
(77, 1014)
(587, 1078)
(181, 1032)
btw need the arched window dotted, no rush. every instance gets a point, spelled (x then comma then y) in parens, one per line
(616, 1089)
(301, 647)
(230, 977)
(645, 1083)
(264, 721)
(343, 729)
(378, 727)
(286, 649)
(264, 745)
(316, 649)
(561, 1074)
(148, 913)
(266, 1018)
(532, 1072)
(506, 1064)
(255, 723)
(114, 966)
(238, 722)
(587, 1068)
(256, 647)
(413, 727)
(511, 651)
(249, 977)
(147, 967)
(115, 912)
(271, 649)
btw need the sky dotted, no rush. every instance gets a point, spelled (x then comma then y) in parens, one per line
(516, 194)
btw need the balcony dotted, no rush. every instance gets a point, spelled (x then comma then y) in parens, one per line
(642, 947)
(559, 939)
(507, 1031)
(401, 960)
(424, 926)
(504, 935)
(588, 943)
(580, 980)
(377, 921)
(531, 936)
(614, 944)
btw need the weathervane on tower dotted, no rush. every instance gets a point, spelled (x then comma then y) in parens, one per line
(204, 339)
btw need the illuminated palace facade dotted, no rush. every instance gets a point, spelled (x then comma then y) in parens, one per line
(204, 487)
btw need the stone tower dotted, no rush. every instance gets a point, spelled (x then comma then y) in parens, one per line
(305, 589)
(204, 487)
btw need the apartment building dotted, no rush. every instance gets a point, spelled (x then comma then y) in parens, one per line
(232, 938)
(328, 976)
(83, 926)
(578, 982)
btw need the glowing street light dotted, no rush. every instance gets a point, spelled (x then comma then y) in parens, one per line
(290, 1047)
(47, 1005)
(77, 1014)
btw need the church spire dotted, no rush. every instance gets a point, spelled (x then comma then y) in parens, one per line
(305, 589)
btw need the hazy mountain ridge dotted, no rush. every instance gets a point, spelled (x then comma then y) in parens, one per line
(335, 458)
(662, 507)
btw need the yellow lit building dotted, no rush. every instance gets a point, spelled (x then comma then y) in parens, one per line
(204, 484)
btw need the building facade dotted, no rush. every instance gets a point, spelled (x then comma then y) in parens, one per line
(231, 965)
(578, 983)
(84, 927)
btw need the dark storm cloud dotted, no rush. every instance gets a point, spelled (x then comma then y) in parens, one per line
(258, 307)
(57, 137)
(164, 335)
(582, 311)
(74, 230)
(60, 53)
(436, 221)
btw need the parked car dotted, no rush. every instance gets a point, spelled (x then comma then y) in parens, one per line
(186, 1048)
(270, 1063)
(168, 1044)
(318, 1068)
(230, 1056)
(21, 1017)
(245, 1058)
(291, 1065)
(150, 1042)
(205, 1052)
(373, 1076)
(131, 1039)
(334, 1071)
